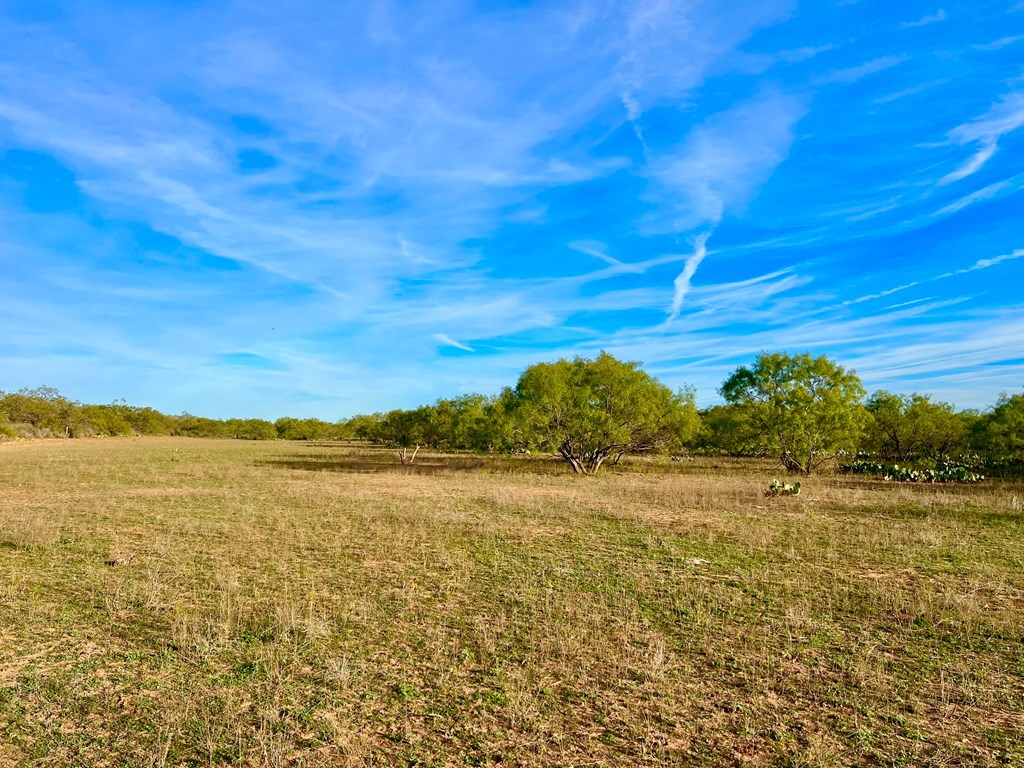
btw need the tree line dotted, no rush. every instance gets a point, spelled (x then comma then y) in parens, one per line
(805, 411)
(45, 412)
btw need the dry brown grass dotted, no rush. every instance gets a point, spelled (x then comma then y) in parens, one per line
(187, 602)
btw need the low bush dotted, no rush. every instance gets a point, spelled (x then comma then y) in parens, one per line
(944, 471)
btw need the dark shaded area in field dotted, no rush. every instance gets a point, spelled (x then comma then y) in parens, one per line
(342, 457)
(393, 466)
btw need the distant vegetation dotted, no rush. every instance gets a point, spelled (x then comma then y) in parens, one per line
(805, 411)
(45, 412)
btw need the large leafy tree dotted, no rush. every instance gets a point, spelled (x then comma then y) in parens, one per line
(1001, 432)
(250, 429)
(43, 408)
(730, 429)
(364, 426)
(149, 421)
(588, 410)
(807, 409)
(460, 423)
(405, 429)
(906, 427)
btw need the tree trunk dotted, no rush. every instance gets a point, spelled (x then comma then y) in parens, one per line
(566, 452)
(405, 458)
(577, 465)
(595, 462)
(794, 465)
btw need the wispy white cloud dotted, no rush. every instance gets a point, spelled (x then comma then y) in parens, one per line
(990, 192)
(1005, 116)
(911, 302)
(980, 264)
(911, 91)
(650, 68)
(797, 55)
(883, 294)
(448, 341)
(717, 169)
(860, 71)
(595, 249)
(1001, 43)
(948, 354)
(985, 131)
(870, 210)
(934, 18)
(684, 278)
(926, 342)
(759, 63)
(986, 263)
(723, 162)
(988, 147)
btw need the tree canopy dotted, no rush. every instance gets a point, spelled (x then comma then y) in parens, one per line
(587, 410)
(906, 427)
(1002, 430)
(807, 409)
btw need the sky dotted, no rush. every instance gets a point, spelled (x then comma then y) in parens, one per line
(323, 208)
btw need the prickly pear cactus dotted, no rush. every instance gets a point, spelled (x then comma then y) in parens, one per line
(783, 489)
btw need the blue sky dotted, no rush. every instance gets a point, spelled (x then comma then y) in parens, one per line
(325, 208)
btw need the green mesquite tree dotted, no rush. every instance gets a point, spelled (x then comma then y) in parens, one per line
(807, 409)
(906, 427)
(587, 410)
(1002, 430)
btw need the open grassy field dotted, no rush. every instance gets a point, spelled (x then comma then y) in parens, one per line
(188, 602)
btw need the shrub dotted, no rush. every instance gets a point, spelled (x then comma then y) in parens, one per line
(945, 471)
